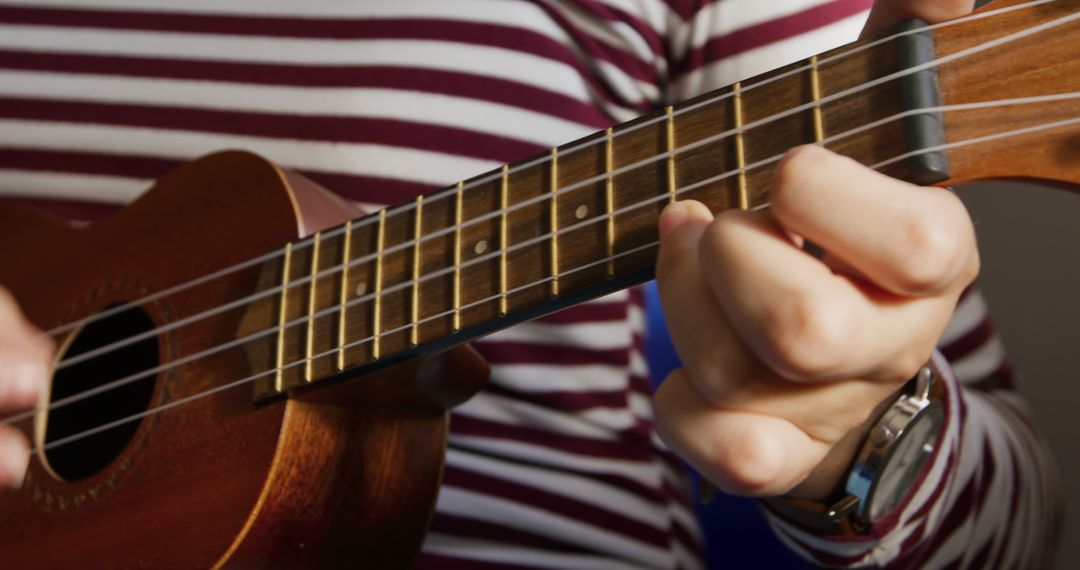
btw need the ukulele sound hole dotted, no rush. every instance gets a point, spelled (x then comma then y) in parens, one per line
(83, 457)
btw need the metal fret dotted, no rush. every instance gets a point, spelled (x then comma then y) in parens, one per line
(376, 312)
(283, 315)
(815, 89)
(554, 215)
(740, 148)
(309, 347)
(671, 155)
(503, 201)
(414, 334)
(457, 256)
(609, 198)
(343, 298)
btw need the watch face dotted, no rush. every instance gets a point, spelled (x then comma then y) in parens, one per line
(898, 474)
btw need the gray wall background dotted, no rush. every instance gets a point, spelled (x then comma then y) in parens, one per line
(1029, 239)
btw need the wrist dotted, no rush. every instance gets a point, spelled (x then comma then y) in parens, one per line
(827, 479)
(895, 455)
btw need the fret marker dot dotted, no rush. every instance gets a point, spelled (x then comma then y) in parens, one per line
(581, 212)
(361, 289)
(481, 247)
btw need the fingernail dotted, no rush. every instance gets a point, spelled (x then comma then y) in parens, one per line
(15, 458)
(672, 217)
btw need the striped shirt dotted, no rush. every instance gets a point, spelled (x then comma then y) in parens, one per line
(556, 463)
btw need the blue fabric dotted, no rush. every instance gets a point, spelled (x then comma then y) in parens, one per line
(736, 532)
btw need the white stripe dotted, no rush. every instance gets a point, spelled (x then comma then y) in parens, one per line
(361, 159)
(545, 523)
(616, 34)
(62, 186)
(430, 108)
(641, 406)
(499, 12)
(552, 377)
(969, 313)
(522, 67)
(719, 18)
(759, 60)
(598, 424)
(499, 552)
(599, 335)
(577, 487)
(559, 459)
(983, 361)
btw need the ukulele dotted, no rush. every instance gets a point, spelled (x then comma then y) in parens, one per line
(251, 373)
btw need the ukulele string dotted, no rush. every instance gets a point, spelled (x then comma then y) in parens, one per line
(539, 282)
(408, 244)
(334, 309)
(450, 191)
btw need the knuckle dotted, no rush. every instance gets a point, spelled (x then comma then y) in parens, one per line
(808, 336)
(750, 463)
(935, 247)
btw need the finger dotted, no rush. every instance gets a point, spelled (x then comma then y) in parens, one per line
(14, 456)
(806, 322)
(707, 347)
(887, 13)
(904, 238)
(741, 452)
(24, 373)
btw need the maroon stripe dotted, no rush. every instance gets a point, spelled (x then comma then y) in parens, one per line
(626, 62)
(641, 385)
(370, 189)
(959, 511)
(458, 84)
(563, 400)
(577, 445)
(70, 210)
(969, 342)
(447, 562)
(458, 526)
(386, 132)
(338, 28)
(660, 496)
(587, 313)
(639, 432)
(772, 31)
(86, 163)
(614, 15)
(687, 539)
(509, 352)
(491, 35)
(564, 506)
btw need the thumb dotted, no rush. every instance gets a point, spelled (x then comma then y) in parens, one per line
(887, 13)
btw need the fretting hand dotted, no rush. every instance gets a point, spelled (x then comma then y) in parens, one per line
(786, 356)
(25, 355)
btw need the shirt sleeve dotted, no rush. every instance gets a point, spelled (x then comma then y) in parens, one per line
(989, 496)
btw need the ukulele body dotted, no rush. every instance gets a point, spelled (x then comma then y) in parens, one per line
(217, 481)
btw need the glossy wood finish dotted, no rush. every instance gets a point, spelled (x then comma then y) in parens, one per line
(1048, 63)
(352, 466)
(304, 482)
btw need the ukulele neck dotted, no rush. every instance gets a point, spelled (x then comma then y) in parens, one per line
(580, 221)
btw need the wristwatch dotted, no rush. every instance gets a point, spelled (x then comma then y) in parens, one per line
(885, 469)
